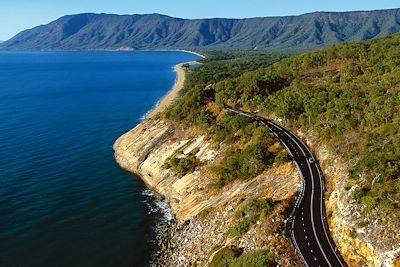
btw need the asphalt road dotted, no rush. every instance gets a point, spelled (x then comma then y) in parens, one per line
(307, 222)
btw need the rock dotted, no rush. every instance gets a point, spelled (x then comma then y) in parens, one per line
(204, 213)
(375, 244)
(260, 243)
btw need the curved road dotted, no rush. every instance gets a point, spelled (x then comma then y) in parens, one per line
(307, 223)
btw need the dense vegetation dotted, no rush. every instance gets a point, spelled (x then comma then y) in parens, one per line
(347, 95)
(257, 148)
(154, 31)
(217, 67)
(182, 165)
(251, 147)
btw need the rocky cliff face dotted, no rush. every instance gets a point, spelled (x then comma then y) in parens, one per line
(144, 150)
(204, 211)
(363, 238)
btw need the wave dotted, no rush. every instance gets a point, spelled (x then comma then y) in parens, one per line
(159, 206)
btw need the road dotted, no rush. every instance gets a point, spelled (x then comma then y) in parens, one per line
(307, 222)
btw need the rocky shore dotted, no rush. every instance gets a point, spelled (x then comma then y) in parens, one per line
(204, 211)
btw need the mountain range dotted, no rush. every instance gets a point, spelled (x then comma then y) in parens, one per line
(154, 31)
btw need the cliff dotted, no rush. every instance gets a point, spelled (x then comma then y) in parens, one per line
(350, 111)
(206, 212)
(144, 149)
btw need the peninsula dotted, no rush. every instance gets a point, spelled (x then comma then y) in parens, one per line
(279, 146)
(230, 183)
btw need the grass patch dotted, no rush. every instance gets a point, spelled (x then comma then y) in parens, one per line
(235, 258)
(246, 216)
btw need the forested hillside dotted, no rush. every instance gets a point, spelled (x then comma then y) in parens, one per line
(347, 95)
(154, 31)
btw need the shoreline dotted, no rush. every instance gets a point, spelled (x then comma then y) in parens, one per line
(167, 225)
(124, 50)
(196, 214)
(173, 93)
(187, 51)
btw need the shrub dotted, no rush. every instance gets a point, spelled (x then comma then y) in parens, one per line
(281, 157)
(228, 126)
(249, 215)
(182, 166)
(243, 163)
(370, 202)
(255, 258)
(329, 215)
(241, 228)
(226, 257)
(359, 194)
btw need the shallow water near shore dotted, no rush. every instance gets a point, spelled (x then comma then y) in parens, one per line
(63, 199)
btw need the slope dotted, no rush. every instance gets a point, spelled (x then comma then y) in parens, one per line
(154, 31)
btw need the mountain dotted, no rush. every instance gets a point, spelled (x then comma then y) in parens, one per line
(104, 31)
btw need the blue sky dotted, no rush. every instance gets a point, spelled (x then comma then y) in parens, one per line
(17, 15)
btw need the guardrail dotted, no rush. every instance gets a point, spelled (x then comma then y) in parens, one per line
(299, 198)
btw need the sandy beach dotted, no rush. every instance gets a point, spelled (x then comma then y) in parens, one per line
(174, 93)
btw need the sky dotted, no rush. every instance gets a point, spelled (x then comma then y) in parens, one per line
(18, 15)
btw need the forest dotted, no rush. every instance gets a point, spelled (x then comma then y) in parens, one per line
(347, 95)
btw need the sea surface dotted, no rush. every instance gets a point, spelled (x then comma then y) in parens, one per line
(63, 199)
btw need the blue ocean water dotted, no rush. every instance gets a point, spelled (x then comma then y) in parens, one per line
(63, 199)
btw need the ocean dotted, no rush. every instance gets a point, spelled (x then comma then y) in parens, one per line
(63, 199)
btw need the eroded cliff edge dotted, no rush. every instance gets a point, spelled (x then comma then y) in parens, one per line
(206, 212)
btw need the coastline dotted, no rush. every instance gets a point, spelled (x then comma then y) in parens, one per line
(197, 213)
(190, 52)
(172, 94)
(175, 91)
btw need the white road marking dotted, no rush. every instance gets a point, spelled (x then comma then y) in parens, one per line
(311, 202)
